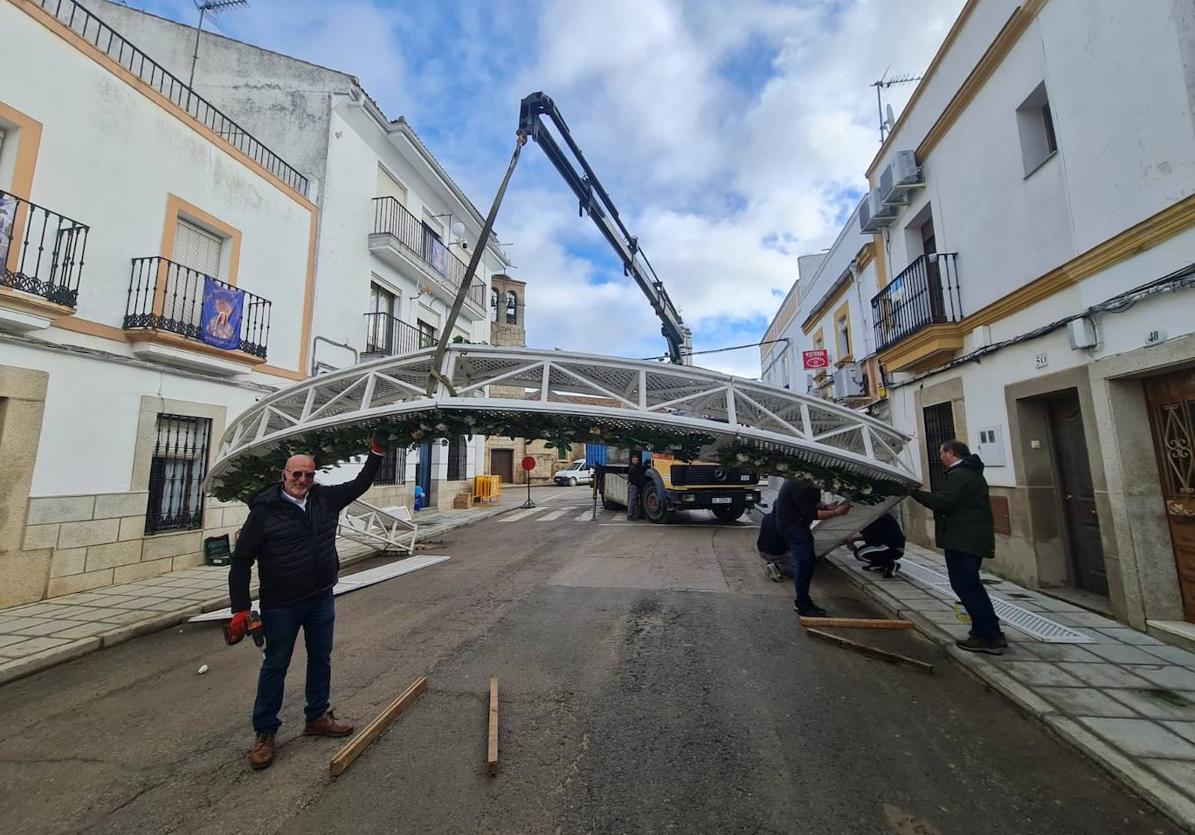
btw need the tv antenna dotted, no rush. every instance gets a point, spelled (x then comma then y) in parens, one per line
(886, 120)
(215, 7)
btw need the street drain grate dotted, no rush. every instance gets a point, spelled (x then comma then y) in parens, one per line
(1031, 623)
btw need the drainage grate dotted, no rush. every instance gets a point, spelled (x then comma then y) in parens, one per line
(1031, 623)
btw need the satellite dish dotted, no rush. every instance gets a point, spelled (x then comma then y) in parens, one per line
(457, 230)
(891, 118)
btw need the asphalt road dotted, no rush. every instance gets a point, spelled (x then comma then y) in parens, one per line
(652, 680)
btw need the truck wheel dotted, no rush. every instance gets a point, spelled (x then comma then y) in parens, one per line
(653, 504)
(728, 514)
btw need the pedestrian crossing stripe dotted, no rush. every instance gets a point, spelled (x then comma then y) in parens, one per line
(555, 514)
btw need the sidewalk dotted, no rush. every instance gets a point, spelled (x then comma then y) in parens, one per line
(39, 635)
(1125, 699)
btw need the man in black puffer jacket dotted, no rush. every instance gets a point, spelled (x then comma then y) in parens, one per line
(291, 533)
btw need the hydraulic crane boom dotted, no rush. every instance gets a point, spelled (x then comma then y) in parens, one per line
(595, 202)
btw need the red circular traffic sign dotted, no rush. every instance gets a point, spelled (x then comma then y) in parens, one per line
(528, 463)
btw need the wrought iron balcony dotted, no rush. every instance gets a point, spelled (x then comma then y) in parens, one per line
(926, 293)
(41, 252)
(387, 335)
(107, 40)
(392, 219)
(166, 296)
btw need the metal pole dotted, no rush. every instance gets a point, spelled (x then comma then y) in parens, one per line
(195, 57)
(528, 503)
(434, 376)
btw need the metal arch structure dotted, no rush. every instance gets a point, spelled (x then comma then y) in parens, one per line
(618, 392)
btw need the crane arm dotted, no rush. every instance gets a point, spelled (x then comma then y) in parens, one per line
(594, 201)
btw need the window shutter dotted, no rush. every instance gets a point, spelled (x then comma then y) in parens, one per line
(197, 248)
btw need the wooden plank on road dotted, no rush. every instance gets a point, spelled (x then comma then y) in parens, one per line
(857, 623)
(872, 652)
(353, 748)
(492, 752)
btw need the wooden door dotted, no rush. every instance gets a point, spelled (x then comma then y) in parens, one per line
(1072, 471)
(1171, 400)
(502, 463)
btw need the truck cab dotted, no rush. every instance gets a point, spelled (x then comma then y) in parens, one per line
(670, 485)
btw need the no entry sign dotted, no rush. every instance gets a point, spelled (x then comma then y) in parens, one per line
(816, 359)
(528, 463)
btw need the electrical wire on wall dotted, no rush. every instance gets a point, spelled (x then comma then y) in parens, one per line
(1180, 279)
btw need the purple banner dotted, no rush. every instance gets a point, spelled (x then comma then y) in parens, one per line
(220, 321)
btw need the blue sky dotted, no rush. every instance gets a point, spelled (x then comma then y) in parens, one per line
(733, 137)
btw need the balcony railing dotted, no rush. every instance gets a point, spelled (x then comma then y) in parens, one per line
(166, 296)
(925, 294)
(41, 252)
(107, 40)
(389, 335)
(392, 218)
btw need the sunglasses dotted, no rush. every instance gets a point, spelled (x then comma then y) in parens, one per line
(301, 474)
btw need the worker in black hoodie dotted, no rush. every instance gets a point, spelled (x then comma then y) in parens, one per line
(291, 533)
(965, 530)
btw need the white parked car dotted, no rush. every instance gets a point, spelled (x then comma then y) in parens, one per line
(576, 473)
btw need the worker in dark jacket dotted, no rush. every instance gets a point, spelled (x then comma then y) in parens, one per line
(797, 507)
(964, 529)
(291, 533)
(634, 487)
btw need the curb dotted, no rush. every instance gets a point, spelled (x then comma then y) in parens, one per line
(21, 667)
(1141, 782)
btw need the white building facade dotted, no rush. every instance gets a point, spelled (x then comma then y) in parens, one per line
(1034, 231)
(396, 232)
(129, 204)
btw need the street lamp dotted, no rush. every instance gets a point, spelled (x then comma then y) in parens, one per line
(215, 7)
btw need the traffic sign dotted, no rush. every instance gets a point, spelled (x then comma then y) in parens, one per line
(816, 359)
(528, 464)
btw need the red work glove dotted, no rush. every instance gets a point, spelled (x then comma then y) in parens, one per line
(376, 444)
(238, 628)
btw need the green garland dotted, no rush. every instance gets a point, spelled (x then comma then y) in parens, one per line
(855, 488)
(250, 473)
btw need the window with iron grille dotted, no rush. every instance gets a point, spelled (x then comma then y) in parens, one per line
(176, 474)
(458, 458)
(394, 466)
(939, 428)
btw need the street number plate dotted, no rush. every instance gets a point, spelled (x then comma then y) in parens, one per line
(720, 500)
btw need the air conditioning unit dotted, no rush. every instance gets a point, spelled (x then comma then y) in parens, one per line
(899, 177)
(849, 382)
(874, 215)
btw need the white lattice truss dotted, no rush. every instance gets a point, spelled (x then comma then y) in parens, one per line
(378, 528)
(618, 392)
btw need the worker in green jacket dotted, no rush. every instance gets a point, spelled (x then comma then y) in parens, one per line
(964, 529)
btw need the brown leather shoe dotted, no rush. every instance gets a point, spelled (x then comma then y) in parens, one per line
(263, 752)
(327, 725)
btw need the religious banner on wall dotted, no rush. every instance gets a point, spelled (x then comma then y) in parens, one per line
(220, 321)
(437, 255)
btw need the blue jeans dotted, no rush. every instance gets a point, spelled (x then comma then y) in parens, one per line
(804, 564)
(632, 501)
(964, 579)
(281, 626)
